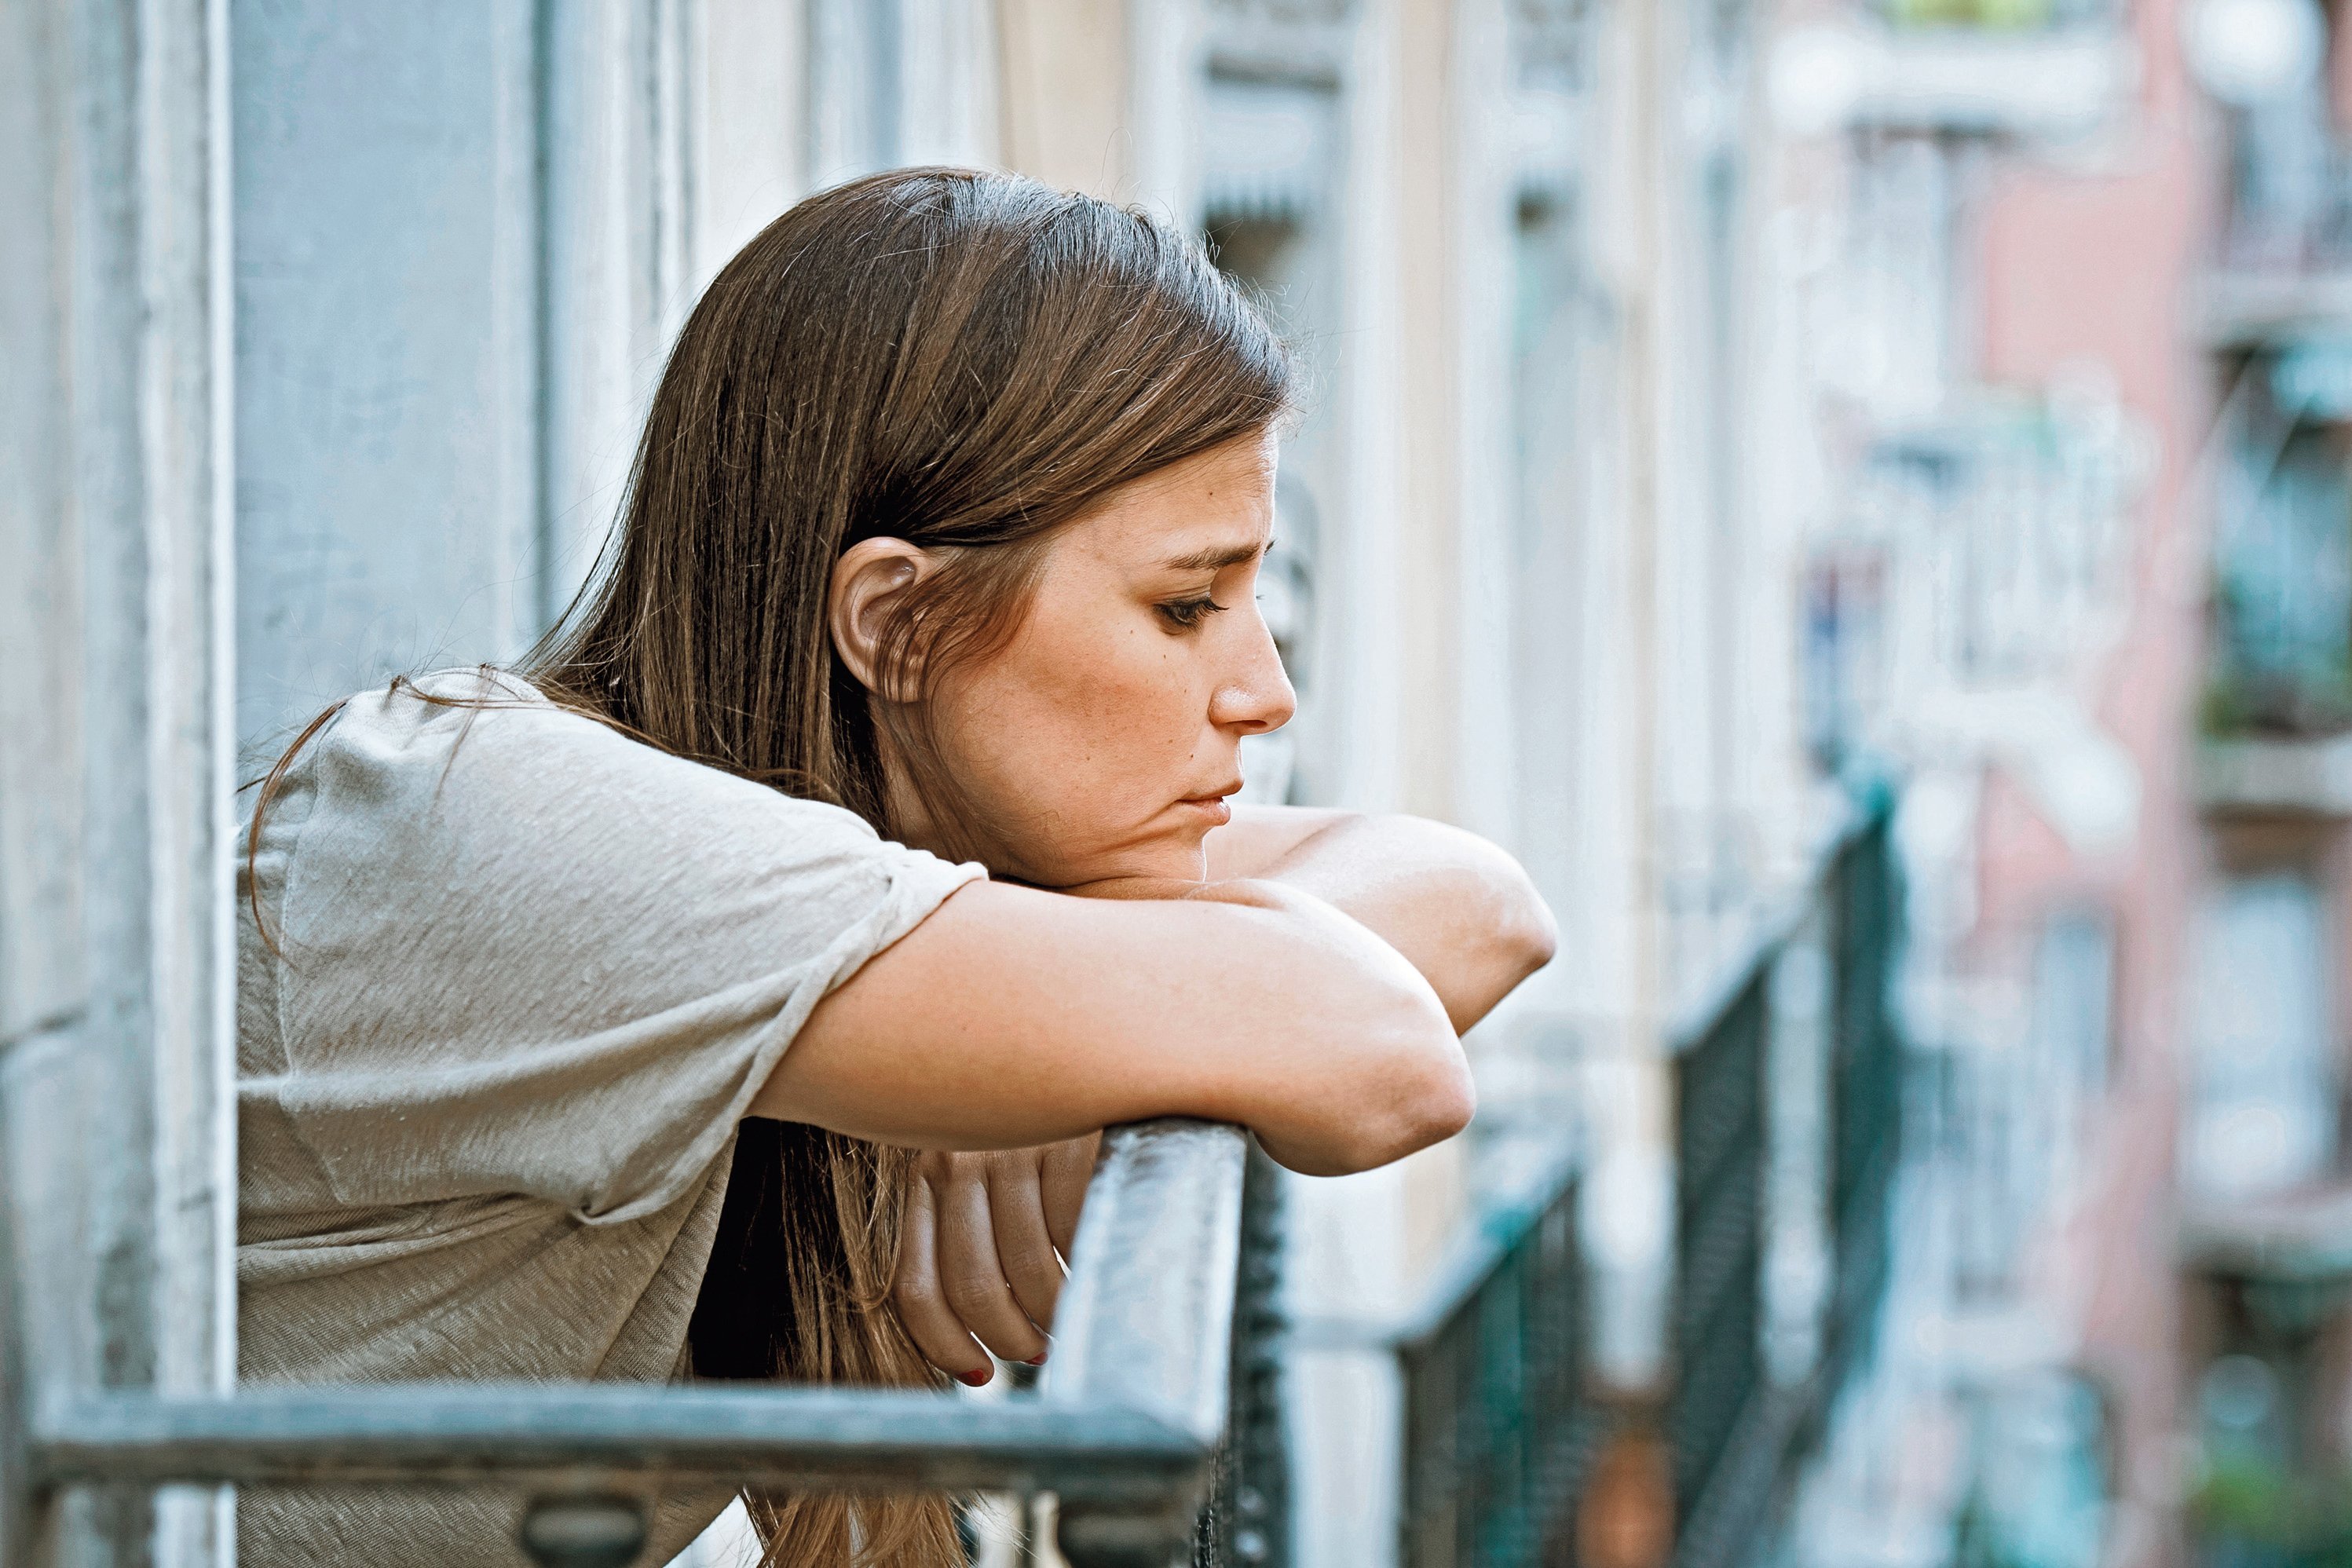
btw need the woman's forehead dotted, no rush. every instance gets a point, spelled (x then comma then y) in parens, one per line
(1211, 510)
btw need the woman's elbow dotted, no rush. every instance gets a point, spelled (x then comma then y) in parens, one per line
(1526, 934)
(1439, 1107)
(1427, 1097)
(1518, 938)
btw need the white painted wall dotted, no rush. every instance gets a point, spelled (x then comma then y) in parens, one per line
(114, 734)
(387, 234)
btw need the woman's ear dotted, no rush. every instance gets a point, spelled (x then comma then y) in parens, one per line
(869, 581)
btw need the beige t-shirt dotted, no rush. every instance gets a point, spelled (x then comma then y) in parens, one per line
(532, 973)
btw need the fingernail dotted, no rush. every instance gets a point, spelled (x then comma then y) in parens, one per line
(1036, 1360)
(976, 1379)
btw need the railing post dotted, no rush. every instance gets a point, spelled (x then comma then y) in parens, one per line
(18, 1505)
(1092, 1537)
(1248, 1521)
(595, 1530)
(1798, 1133)
(1171, 1350)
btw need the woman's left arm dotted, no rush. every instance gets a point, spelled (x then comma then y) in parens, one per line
(978, 1262)
(1458, 909)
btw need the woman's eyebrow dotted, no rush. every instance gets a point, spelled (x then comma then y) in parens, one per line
(1215, 559)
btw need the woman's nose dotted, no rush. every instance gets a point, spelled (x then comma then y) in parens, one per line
(1256, 695)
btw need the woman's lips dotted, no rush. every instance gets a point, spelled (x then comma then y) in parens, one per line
(1212, 807)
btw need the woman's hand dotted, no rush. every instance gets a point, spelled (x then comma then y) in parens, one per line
(980, 1259)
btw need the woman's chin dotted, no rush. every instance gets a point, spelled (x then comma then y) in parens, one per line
(1173, 861)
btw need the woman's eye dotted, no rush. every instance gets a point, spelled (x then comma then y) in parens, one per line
(1188, 612)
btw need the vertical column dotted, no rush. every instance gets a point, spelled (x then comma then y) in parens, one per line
(44, 996)
(1065, 93)
(1628, 1199)
(1165, 67)
(1483, 224)
(190, 606)
(115, 963)
(1389, 547)
(1426, 166)
(616, 220)
(948, 108)
(749, 107)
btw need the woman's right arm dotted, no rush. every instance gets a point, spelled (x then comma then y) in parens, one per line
(1011, 1017)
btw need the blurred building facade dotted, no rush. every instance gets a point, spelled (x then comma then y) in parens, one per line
(2094, 557)
(1709, 399)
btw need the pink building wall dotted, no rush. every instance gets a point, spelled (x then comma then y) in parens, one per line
(2105, 266)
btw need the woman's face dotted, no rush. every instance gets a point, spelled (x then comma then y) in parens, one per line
(1103, 739)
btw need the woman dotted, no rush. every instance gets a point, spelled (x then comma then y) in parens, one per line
(650, 1012)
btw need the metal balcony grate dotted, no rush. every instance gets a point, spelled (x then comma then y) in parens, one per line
(1125, 1426)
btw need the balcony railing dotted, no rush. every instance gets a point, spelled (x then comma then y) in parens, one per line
(2279, 660)
(1737, 1430)
(1129, 1424)
(1501, 1429)
(1725, 1426)
(1498, 1429)
(1865, 912)
(1997, 16)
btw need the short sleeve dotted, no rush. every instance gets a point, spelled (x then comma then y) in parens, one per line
(525, 954)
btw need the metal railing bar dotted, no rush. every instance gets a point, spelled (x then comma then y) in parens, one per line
(521, 1434)
(1126, 1426)
(1771, 930)
(1145, 1322)
(1477, 1252)
(1723, 1516)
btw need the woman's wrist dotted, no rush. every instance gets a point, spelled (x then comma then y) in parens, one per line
(1134, 887)
(1460, 909)
(1246, 892)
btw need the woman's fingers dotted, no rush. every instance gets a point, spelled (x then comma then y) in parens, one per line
(977, 1263)
(1025, 1247)
(971, 1276)
(1063, 1175)
(919, 1297)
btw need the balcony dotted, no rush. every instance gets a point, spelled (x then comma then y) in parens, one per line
(2267, 775)
(2282, 270)
(1157, 1423)
(2277, 702)
(2279, 664)
(1504, 1434)
(2056, 69)
(1996, 16)
(2300, 1238)
(1156, 1449)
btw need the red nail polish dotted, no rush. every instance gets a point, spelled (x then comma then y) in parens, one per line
(1037, 1359)
(976, 1379)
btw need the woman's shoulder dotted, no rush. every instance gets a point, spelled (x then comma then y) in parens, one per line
(476, 783)
(485, 745)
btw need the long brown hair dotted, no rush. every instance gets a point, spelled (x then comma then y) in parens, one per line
(963, 361)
